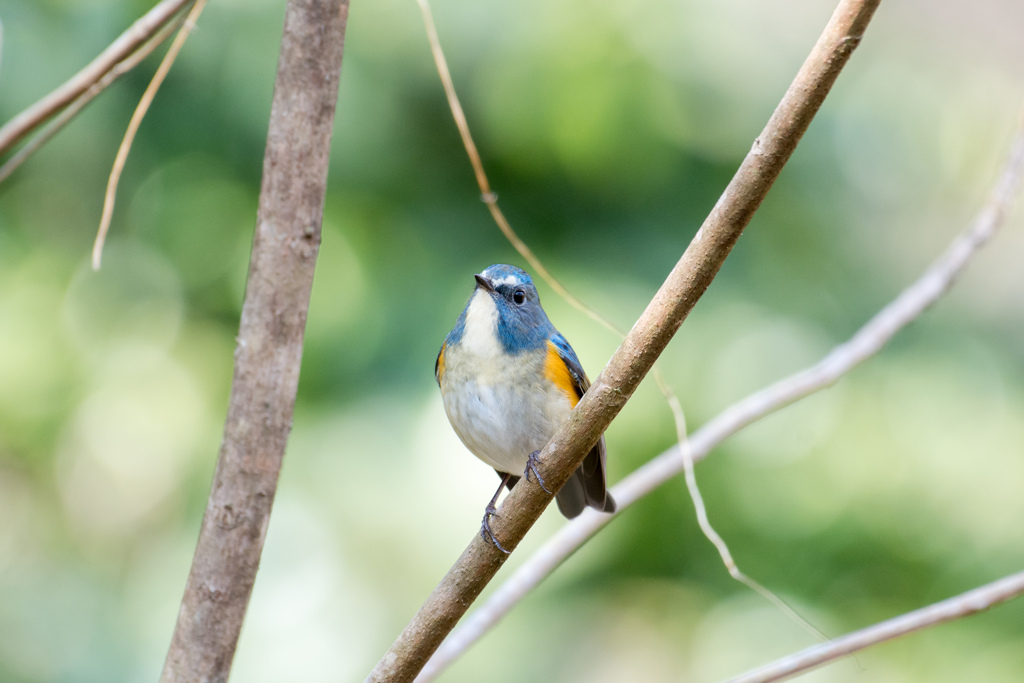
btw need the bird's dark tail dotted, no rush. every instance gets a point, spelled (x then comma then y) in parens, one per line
(587, 486)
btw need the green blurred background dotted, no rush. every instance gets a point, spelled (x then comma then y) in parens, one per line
(609, 128)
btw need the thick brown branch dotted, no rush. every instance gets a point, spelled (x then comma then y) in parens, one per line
(284, 251)
(649, 336)
(963, 605)
(127, 43)
(868, 341)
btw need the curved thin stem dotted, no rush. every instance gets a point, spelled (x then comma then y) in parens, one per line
(489, 197)
(133, 127)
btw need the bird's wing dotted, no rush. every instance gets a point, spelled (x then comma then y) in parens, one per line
(564, 369)
(587, 485)
(439, 364)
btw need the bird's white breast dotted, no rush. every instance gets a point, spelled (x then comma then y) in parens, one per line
(479, 336)
(499, 404)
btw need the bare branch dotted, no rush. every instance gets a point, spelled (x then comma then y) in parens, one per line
(491, 199)
(267, 359)
(962, 605)
(127, 43)
(68, 113)
(133, 126)
(870, 339)
(685, 284)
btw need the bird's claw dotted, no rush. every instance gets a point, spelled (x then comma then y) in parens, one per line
(531, 466)
(485, 529)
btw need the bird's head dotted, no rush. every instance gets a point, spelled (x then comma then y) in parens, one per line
(519, 323)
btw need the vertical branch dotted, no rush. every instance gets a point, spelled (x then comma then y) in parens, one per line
(284, 250)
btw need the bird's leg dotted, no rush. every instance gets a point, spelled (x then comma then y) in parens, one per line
(531, 466)
(490, 511)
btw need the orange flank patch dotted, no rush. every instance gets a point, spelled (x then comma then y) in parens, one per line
(556, 372)
(439, 365)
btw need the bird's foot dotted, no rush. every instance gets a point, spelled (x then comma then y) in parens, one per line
(485, 528)
(531, 466)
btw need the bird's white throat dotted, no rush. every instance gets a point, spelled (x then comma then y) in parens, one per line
(480, 335)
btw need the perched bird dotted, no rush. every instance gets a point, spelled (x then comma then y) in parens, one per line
(509, 380)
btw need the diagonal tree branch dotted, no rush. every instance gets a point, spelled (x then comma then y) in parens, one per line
(868, 341)
(685, 284)
(963, 605)
(127, 43)
(491, 199)
(259, 419)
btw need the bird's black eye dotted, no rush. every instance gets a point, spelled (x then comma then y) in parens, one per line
(519, 296)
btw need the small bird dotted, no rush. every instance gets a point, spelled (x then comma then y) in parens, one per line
(509, 380)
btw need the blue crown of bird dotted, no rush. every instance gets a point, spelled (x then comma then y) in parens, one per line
(509, 380)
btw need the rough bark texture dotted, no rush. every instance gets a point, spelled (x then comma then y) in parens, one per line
(685, 284)
(284, 251)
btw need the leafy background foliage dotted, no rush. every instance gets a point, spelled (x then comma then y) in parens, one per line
(609, 129)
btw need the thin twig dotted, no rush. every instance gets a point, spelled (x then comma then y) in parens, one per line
(488, 196)
(688, 280)
(963, 605)
(270, 336)
(64, 117)
(127, 43)
(709, 531)
(868, 341)
(133, 127)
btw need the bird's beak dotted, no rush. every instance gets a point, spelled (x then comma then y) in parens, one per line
(484, 283)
